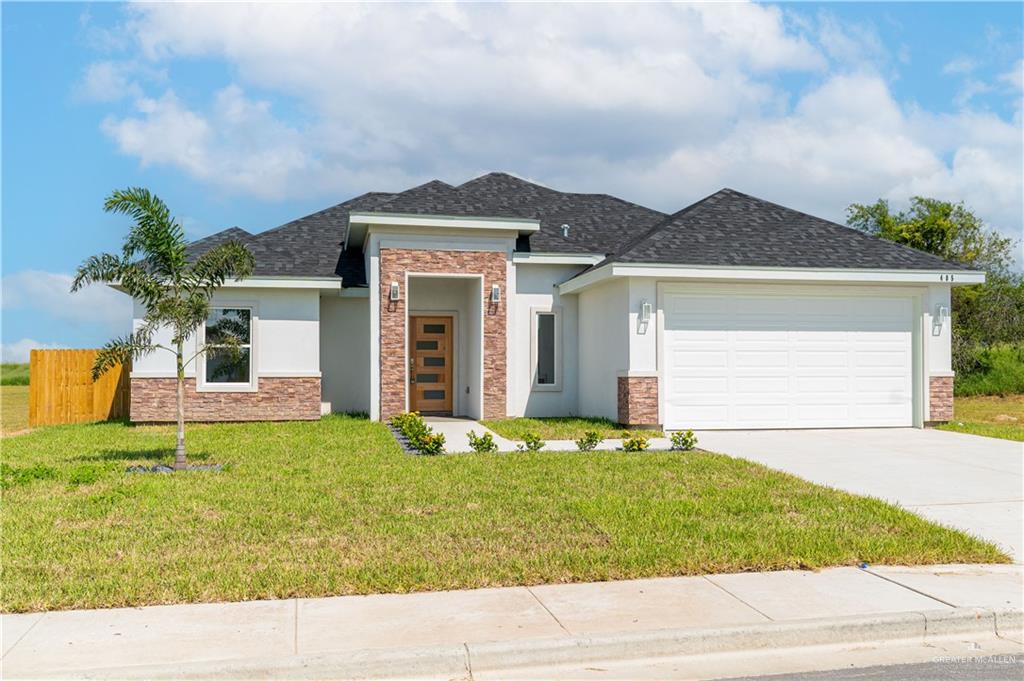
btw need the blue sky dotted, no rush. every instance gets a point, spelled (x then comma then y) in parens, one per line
(253, 115)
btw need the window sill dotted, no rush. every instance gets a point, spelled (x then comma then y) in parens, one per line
(227, 388)
(546, 388)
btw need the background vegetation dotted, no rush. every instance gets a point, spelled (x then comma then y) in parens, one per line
(13, 374)
(988, 319)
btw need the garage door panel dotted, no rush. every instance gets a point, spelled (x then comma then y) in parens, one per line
(774, 361)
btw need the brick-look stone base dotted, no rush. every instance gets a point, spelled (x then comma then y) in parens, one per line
(638, 401)
(940, 398)
(278, 399)
(394, 263)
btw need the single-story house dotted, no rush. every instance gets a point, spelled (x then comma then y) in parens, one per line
(501, 297)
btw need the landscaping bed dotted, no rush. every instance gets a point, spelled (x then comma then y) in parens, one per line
(335, 507)
(558, 428)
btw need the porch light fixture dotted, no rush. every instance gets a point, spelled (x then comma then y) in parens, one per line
(495, 293)
(393, 295)
(645, 311)
(941, 313)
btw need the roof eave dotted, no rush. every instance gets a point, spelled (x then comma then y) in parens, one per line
(780, 274)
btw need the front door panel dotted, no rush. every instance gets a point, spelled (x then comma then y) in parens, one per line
(430, 365)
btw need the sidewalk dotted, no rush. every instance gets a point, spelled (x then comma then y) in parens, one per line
(458, 634)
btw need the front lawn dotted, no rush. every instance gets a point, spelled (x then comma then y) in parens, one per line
(333, 507)
(557, 428)
(992, 416)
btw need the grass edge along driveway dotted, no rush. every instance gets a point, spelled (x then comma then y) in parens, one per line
(334, 507)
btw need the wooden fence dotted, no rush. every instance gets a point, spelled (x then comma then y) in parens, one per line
(61, 389)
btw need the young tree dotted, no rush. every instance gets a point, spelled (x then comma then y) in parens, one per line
(154, 268)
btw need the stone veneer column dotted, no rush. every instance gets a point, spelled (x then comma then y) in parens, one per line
(638, 401)
(394, 263)
(154, 400)
(940, 398)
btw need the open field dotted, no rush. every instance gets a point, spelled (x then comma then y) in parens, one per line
(334, 507)
(13, 408)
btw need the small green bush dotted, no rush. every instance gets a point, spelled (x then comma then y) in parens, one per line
(589, 441)
(420, 435)
(995, 370)
(531, 443)
(683, 441)
(432, 444)
(482, 443)
(636, 442)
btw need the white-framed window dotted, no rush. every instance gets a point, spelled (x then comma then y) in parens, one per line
(220, 369)
(546, 348)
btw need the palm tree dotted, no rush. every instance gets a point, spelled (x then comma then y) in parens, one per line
(154, 268)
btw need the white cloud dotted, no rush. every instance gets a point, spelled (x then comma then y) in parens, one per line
(959, 66)
(660, 103)
(18, 351)
(1015, 76)
(49, 293)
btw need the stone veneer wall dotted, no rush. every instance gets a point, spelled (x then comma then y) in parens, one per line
(278, 399)
(940, 398)
(638, 401)
(394, 263)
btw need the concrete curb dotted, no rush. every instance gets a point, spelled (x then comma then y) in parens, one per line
(460, 660)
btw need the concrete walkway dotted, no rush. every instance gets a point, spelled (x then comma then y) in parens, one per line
(212, 639)
(965, 481)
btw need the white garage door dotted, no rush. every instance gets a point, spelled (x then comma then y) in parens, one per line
(785, 361)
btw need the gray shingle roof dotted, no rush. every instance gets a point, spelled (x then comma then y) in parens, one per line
(727, 228)
(730, 228)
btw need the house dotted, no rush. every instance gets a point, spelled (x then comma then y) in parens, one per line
(501, 297)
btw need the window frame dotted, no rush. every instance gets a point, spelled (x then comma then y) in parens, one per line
(202, 385)
(535, 312)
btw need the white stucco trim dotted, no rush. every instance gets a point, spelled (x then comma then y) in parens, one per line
(839, 275)
(557, 258)
(445, 221)
(324, 283)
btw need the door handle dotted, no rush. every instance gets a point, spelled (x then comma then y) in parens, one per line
(412, 370)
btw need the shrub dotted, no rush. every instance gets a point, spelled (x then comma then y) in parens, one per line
(683, 441)
(589, 441)
(420, 435)
(432, 443)
(637, 442)
(531, 443)
(994, 370)
(482, 443)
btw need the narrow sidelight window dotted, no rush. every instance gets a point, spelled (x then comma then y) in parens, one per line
(546, 348)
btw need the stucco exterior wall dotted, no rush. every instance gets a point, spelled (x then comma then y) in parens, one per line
(603, 347)
(536, 289)
(345, 352)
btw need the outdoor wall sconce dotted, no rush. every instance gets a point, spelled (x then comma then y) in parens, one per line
(645, 312)
(495, 294)
(939, 318)
(393, 295)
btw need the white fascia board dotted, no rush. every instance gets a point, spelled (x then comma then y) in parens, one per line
(444, 221)
(557, 258)
(950, 277)
(321, 283)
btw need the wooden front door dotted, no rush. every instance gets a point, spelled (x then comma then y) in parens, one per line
(430, 365)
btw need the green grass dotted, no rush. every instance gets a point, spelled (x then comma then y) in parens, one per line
(999, 371)
(333, 507)
(557, 428)
(13, 374)
(1001, 417)
(13, 408)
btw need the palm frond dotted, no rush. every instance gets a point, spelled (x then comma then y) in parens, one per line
(156, 235)
(230, 260)
(124, 349)
(103, 268)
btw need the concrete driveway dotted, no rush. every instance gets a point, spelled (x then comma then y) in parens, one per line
(964, 481)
